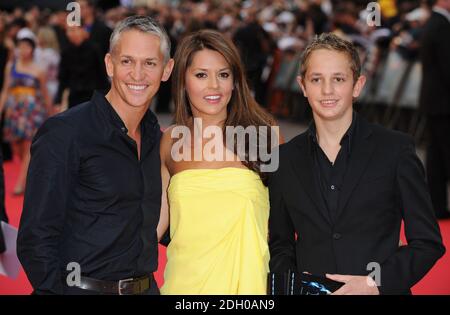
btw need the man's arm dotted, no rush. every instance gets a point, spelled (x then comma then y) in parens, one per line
(411, 262)
(162, 229)
(53, 157)
(281, 229)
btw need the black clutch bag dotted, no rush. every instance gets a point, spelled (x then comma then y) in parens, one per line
(294, 283)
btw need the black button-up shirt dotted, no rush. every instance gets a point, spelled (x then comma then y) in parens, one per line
(89, 199)
(330, 176)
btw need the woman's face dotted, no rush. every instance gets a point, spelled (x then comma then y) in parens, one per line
(25, 50)
(209, 85)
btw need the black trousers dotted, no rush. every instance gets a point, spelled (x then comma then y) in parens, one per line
(438, 161)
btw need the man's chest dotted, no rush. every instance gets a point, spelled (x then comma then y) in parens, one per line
(111, 170)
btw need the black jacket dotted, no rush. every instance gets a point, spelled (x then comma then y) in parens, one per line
(435, 57)
(89, 199)
(384, 185)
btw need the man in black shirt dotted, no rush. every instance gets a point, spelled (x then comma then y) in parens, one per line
(253, 43)
(344, 187)
(92, 201)
(81, 69)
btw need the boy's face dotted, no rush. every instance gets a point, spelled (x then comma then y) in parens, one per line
(328, 84)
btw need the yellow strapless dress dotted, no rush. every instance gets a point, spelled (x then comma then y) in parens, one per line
(218, 230)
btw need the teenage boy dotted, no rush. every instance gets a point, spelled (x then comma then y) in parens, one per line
(344, 187)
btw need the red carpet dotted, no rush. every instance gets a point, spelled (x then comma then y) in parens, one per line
(436, 282)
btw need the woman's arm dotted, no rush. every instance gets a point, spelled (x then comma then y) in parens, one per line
(165, 148)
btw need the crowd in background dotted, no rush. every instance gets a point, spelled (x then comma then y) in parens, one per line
(270, 35)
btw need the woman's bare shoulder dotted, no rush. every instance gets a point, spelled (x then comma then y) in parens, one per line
(167, 135)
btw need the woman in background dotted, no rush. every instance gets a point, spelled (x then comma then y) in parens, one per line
(47, 56)
(26, 102)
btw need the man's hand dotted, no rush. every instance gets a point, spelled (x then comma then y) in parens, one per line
(355, 285)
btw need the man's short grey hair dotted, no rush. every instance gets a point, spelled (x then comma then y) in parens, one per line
(144, 24)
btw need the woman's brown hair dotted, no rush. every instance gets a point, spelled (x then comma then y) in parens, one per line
(242, 109)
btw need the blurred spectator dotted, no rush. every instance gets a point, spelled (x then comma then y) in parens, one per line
(58, 21)
(32, 17)
(11, 32)
(164, 96)
(253, 43)
(407, 41)
(26, 102)
(263, 52)
(4, 57)
(318, 17)
(389, 11)
(48, 57)
(108, 4)
(82, 69)
(435, 102)
(3, 49)
(98, 32)
(345, 19)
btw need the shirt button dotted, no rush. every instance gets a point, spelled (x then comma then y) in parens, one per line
(332, 187)
(337, 236)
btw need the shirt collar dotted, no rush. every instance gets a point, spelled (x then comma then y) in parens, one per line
(442, 11)
(148, 122)
(349, 134)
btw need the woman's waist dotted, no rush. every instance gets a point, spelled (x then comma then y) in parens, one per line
(23, 91)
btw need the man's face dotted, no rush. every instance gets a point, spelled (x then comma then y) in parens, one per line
(136, 66)
(328, 84)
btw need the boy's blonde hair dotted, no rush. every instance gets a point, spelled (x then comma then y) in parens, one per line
(332, 42)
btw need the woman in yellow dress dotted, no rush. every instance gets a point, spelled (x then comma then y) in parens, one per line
(214, 194)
